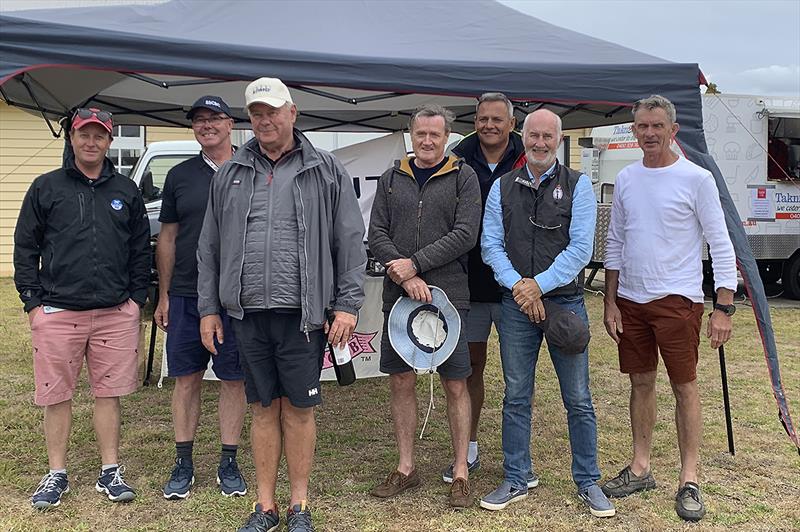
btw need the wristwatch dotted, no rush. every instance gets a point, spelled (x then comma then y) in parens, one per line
(729, 310)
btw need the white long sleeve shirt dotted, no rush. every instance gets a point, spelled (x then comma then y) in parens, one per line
(658, 219)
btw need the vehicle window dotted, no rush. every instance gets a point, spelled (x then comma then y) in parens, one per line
(155, 174)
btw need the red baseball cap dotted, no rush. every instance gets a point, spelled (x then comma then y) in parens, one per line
(92, 115)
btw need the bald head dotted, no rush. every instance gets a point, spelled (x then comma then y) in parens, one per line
(542, 117)
(541, 135)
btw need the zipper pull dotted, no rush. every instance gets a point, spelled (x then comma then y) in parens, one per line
(305, 330)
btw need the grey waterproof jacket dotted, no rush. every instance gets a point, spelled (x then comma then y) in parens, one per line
(331, 249)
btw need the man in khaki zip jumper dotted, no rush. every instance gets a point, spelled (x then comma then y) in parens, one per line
(429, 248)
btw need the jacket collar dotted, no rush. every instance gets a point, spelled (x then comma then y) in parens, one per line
(470, 148)
(453, 163)
(310, 158)
(108, 171)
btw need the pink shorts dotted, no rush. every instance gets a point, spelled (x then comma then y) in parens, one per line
(108, 338)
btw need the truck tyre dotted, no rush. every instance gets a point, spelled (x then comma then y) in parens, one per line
(791, 277)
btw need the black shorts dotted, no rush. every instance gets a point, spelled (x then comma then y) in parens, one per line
(277, 359)
(456, 367)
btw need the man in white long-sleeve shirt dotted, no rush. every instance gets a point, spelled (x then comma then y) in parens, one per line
(663, 207)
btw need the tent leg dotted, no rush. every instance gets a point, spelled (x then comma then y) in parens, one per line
(151, 351)
(726, 400)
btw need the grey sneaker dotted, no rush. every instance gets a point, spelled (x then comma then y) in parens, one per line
(596, 500)
(447, 473)
(626, 483)
(533, 480)
(504, 495)
(261, 521)
(298, 518)
(49, 491)
(689, 503)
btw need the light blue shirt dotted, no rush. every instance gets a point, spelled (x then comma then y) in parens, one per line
(568, 264)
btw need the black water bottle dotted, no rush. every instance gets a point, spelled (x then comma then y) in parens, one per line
(342, 362)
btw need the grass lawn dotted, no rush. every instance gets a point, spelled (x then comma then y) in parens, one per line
(758, 489)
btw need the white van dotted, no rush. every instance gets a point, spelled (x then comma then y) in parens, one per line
(151, 169)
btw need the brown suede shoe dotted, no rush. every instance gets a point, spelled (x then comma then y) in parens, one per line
(460, 495)
(395, 484)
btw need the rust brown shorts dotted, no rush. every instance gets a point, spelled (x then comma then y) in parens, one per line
(670, 325)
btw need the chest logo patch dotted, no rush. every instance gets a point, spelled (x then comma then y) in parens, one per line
(116, 205)
(558, 192)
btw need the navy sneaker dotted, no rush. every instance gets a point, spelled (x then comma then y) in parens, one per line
(180, 481)
(229, 478)
(447, 473)
(298, 518)
(49, 491)
(114, 486)
(533, 480)
(504, 495)
(596, 501)
(261, 521)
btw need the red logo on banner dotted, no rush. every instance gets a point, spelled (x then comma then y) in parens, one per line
(762, 193)
(360, 344)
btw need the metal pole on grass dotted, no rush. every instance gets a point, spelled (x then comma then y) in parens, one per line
(725, 399)
(723, 371)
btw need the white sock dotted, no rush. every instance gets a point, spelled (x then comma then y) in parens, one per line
(472, 451)
(62, 470)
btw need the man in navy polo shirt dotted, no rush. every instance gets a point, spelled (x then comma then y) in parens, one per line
(182, 209)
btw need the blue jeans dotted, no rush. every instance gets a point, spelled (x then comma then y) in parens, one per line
(520, 340)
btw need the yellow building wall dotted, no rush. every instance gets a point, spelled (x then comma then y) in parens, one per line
(574, 147)
(27, 150)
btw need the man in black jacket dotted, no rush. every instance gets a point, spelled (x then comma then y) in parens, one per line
(82, 267)
(492, 150)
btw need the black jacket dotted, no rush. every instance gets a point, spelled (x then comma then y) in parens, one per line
(482, 285)
(81, 244)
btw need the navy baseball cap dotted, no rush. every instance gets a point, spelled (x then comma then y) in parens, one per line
(212, 103)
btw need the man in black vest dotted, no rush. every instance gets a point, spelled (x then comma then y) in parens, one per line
(492, 150)
(537, 237)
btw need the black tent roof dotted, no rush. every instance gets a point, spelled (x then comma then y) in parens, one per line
(354, 65)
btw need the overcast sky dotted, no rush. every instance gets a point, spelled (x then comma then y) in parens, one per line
(744, 46)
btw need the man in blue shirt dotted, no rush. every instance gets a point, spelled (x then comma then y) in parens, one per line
(537, 238)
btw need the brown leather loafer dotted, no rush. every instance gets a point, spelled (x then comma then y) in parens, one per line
(395, 484)
(460, 494)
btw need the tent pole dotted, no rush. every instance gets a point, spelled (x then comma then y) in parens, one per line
(723, 372)
(726, 400)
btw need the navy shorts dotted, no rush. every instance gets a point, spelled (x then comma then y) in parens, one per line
(456, 367)
(185, 351)
(278, 360)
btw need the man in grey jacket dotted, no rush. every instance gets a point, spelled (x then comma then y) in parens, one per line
(281, 247)
(429, 248)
